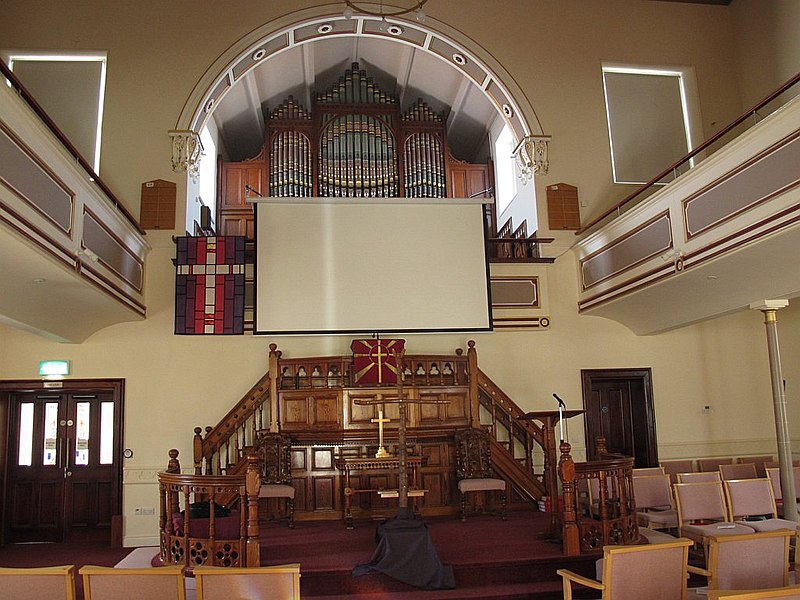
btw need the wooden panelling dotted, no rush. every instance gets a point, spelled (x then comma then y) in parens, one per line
(648, 240)
(563, 209)
(303, 411)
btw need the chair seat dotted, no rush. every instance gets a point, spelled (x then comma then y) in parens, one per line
(276, 490)
(481, 485)
(664, 518)
(715, 529)
(770, 524)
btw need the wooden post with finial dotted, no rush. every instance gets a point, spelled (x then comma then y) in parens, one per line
(474, 390)
(252, 487)
(569, 522)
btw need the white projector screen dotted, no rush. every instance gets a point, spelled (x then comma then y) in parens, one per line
(347, 265)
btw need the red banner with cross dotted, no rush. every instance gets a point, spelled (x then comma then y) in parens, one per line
(375, 361)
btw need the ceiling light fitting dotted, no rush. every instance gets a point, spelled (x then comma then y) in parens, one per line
(353, 7)
(531, 156)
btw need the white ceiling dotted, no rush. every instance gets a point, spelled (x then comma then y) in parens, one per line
(397, 68)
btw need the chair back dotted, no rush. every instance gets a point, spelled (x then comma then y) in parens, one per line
(108, 583)
(750, 497)
(653, 491)
(712, 464)
(274, 451)
(702, 476)
(759, 461)
(749, 561)
(473, 454)
(699, 501)
(645, 471)
(673, 467)
(774, 475)
(280, 582)
(738, 471)
(655, 572)
(53, 583)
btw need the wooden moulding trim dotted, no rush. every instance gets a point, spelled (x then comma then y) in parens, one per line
(101, 282)
(47, 172)
(728, 177)
(628, 286)
(65, 256)
(635, 260)
(113, 236)
(40, 112)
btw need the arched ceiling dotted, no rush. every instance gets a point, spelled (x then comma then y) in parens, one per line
(409, 70)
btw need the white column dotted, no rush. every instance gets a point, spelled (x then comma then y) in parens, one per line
(770, 309)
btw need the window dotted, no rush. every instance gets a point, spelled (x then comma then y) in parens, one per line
(506, 184)
(71, 90)
(648, 120)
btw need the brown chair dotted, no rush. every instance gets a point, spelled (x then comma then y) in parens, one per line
(702, 476)
(281, 582)
(759, 461)
(774, 476)
(752, 503)
(750, 561)
(274, 451)
(673, 467)
(474, 468)
(738, 471)
(655, 508)
(712, 464)
(703, 513)
(654, 572)
(109, 583)
(53, 583)
(645, 471)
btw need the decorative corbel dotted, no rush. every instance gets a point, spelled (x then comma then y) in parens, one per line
(187, 149)
(531, 154)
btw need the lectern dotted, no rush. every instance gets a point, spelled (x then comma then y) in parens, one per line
(549, 419)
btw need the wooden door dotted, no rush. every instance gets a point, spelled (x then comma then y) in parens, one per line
(64, 469)
(619, 407)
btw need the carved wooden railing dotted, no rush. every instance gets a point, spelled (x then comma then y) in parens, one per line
(229, 541)
(599, 505)
(521, 440)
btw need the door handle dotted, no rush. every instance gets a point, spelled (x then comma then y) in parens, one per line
(68, 473)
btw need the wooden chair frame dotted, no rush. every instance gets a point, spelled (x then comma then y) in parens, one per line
(783, 593)
(66, 572)
(172, 571)
(609, 552)
(713, 545)
(202, 573)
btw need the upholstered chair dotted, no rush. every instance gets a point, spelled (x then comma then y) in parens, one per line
(738, 471)
(274, 451)
(652, 572)
(280, 582)
(673, 467)
(699, 477)
(645, 471)
(703, 512)
(712, 464)
(750, 561)
(655, 508)
(751, 502)
(54, 583)
(108, 583)
(790, 592)
(474, 468)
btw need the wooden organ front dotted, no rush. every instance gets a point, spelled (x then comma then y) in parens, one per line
(356, 142)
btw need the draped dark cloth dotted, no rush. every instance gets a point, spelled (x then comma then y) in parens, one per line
(405, 552)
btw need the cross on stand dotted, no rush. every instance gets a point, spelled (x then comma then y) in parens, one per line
(402, 450)
(382, 452)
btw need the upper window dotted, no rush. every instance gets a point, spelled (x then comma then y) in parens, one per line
(506, 180)
(648, 121)
(70, 87)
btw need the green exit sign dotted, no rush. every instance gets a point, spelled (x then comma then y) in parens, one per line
(53, 368)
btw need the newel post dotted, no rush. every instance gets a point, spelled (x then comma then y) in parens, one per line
(474, 391)
(570, 530)
(274, 379)
(197, 449)
(252, 486)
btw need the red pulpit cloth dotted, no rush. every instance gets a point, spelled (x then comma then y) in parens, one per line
(375, 361)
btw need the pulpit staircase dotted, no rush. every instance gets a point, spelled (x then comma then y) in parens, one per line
(517, 452)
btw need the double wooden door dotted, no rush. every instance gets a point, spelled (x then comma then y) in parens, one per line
(64, 471)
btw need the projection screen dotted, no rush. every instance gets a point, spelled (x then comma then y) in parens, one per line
(351, 265)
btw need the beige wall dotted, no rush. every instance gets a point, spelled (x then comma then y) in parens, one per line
(553, 50)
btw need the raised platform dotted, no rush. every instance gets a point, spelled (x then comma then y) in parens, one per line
(491, 559)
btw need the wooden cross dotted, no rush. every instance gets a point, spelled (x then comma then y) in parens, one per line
(381, 453)
(402, 450)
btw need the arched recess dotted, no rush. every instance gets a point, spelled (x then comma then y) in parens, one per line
(313, 24)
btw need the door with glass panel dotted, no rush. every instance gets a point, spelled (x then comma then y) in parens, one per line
(63, 482)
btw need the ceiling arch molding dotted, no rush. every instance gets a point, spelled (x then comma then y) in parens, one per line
(302, 29)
